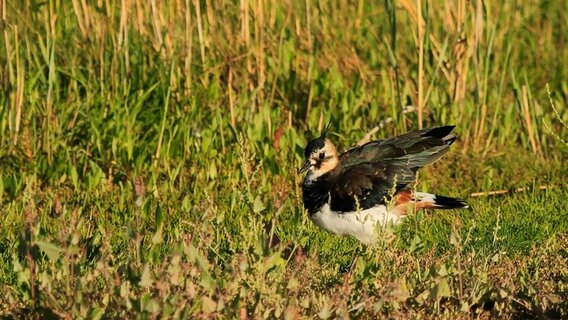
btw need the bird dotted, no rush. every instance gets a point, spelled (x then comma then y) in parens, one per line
(370, 186)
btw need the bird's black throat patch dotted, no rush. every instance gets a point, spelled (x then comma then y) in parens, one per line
(315, 194)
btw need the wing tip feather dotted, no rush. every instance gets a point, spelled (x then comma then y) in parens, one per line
(440, 132)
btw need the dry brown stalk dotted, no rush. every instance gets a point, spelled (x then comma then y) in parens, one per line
(504, 191)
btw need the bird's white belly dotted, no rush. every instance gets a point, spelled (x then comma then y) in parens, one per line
(361, 224)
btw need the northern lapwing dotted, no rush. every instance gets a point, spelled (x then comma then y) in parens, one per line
(369, 186)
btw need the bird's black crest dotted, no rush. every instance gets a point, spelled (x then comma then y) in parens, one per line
(327, 127)
(318, 143)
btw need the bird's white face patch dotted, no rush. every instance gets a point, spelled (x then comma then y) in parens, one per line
(322, 161)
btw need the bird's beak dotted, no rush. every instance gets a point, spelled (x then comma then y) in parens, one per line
(305, 167)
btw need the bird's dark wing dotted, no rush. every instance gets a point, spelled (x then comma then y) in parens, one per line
(372, 172)
(365, 185)
(420, 148)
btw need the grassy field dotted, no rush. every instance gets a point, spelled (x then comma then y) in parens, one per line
(148, 152)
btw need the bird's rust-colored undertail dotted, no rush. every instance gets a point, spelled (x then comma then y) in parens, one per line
(403, 200)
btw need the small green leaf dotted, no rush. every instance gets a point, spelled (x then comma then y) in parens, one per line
(454, 238)
(415, 244)
(495, 258)
(207, 281)
(441, 289)
(146, 279)
(95, 313)
(444, 288)
(465, 306)
(212, 171)
(274, 261)
(208, 305)
(52, 251)
(125, 289)
(443, 271)
(258, 206)
(325, 313)
(74, 176)
(17, 267)
(157, 237)
(292, 283)
(152, 306)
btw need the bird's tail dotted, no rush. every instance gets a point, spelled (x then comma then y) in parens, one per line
(434, 201)
(421, 200)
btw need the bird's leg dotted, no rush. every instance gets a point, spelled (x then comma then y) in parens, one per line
(355, 258)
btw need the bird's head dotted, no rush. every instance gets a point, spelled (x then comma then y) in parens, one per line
(321, 156)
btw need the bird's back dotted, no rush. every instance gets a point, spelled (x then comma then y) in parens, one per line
(372, 173)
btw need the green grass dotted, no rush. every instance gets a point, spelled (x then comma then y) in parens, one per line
(148, 152)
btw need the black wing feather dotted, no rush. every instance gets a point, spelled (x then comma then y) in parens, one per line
(372, 172)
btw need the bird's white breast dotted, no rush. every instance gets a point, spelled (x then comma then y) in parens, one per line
(361, 224)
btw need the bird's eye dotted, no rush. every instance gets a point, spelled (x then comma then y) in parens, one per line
(322, 155)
